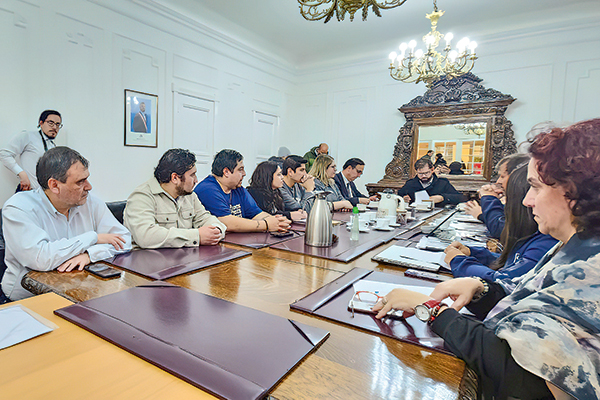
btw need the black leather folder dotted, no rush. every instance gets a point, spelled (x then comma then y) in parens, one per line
(331, 302)
(231, 351)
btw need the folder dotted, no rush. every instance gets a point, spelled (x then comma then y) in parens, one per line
(331, 302)
(344, 250)
(167, 263)
(256, 240)
(232, 351)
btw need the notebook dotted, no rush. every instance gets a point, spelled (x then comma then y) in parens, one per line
(412, 258)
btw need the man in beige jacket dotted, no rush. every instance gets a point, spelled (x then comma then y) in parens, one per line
(164, 211)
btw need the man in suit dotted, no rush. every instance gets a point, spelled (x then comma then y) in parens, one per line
(353, 169)
(140, 121)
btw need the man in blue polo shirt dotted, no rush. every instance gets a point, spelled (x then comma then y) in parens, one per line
(222, 194)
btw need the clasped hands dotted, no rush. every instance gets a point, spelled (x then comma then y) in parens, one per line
(460, 290)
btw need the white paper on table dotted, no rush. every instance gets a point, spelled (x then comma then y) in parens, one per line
(420, 196)
(18, 324)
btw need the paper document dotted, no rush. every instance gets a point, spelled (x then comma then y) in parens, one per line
(420, 196)
(18, 325)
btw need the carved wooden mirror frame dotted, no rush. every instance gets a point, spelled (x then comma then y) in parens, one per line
(452, 101)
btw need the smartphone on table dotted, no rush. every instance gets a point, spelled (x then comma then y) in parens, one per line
(102, 270)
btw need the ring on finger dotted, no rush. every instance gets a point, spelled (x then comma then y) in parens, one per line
(384, 300)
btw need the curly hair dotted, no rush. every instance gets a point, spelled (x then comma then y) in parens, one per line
(570, 158)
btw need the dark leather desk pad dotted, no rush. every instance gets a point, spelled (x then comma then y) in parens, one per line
(229, 350)
(331, 302)
(256, 240)
(344, 249)
(167, 263)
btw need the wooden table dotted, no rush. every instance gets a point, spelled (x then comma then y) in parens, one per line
(351, 364)
(71, 363)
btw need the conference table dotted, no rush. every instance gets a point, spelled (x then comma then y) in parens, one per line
(350, 364)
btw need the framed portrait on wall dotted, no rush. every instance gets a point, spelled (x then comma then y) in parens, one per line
(141, 119)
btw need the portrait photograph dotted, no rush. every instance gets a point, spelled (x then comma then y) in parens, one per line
(141, 114)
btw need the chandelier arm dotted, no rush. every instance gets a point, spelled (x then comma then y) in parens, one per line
(311, 12)
(387, 4)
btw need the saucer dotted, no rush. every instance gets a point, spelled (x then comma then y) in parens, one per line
(388, 229)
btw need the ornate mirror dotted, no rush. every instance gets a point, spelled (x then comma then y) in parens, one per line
(460, 119)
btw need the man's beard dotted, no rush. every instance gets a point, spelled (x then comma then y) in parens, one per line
(426, 180)
(181, 191)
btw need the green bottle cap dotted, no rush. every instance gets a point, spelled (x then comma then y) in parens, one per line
(355, 210)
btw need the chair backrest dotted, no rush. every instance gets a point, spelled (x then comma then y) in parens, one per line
(117, 208)
(2, 264)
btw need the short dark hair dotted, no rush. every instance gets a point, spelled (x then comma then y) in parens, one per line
(353, 162)
(421, 162)
(226, 158)
(293, 162)
(174, 160)
(513, 162)
(570, 158)
(55, 163)
(46, 113)
(429, 151)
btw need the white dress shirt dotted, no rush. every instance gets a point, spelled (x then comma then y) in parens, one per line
(40, 238)
(28, 147)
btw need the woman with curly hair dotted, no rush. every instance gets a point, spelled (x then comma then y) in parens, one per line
(264, 184)
(541, 333)
(324, 170)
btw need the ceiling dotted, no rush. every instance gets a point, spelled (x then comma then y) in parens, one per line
(276, 28)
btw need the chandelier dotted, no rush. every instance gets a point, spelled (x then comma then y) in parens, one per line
(415, 65)
(314, 10)
(476, 128)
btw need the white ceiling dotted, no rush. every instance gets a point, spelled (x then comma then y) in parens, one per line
(276, 28)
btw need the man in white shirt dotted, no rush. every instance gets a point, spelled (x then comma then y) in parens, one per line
(29, 146)
(59, 226)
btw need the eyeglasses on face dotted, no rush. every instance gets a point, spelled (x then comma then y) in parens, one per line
(53, 124)
(425, 173)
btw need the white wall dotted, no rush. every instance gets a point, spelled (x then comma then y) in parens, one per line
(78, 57)
(553, 73)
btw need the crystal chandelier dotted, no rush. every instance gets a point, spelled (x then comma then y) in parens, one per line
(476, 128)
(314, 10)
(415, 65)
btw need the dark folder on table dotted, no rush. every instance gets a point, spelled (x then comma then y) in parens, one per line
(331, 302)
(168, 263)
(229, 350)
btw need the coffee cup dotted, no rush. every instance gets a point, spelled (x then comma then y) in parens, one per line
(363, 224)
(361, 207)
(383, 223)
(392, 220)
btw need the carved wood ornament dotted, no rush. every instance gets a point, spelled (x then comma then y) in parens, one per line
(452, 101)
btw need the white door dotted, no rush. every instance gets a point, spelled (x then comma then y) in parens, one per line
(193, 129)
(264, 131)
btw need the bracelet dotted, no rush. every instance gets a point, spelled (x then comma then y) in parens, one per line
(486, 289)
(435, 312)
(266, 224)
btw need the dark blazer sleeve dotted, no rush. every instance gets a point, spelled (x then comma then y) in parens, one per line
(449, 192)
(489, 356)
(356, 191)
(339, 181)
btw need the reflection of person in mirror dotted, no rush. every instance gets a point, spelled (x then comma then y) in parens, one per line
(140, 121)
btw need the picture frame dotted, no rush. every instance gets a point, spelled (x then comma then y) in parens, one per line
(141, 119)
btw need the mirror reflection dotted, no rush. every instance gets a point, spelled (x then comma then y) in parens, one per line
(462, 146)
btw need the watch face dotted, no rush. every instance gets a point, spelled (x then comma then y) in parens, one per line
(423, 312)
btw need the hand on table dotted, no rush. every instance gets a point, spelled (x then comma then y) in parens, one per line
(278, 223)
(460, 290)
(209, 235)
(374, 197)
(298, 215)
(400, 299)
(437, 198)
(364, 200)
(111, 238)
(77, 262)
(407, 199)
(473, 208)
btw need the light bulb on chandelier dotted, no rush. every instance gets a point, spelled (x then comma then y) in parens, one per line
(427, 66)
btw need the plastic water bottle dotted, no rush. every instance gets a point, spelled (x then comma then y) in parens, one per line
(354, 225)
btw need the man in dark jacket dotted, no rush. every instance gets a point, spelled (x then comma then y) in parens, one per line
(440, 190)
(353, 169)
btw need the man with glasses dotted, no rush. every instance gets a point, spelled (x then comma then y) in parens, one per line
(353, 169)
(440, 190)
(25, 149)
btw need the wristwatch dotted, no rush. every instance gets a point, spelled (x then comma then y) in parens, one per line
(427, 311)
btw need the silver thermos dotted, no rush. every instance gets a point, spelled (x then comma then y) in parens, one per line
(319, 225)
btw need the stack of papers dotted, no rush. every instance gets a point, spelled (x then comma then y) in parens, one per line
(18, 324)
(413, 258)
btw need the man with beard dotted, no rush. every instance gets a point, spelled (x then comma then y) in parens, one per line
(440, 190)
(223, 195)
(60, 225)
(24, 150)
(164, 211)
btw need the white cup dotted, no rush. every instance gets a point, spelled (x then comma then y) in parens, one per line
(391, 219)
(383, 223)
(361, 207)
(363, 224)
